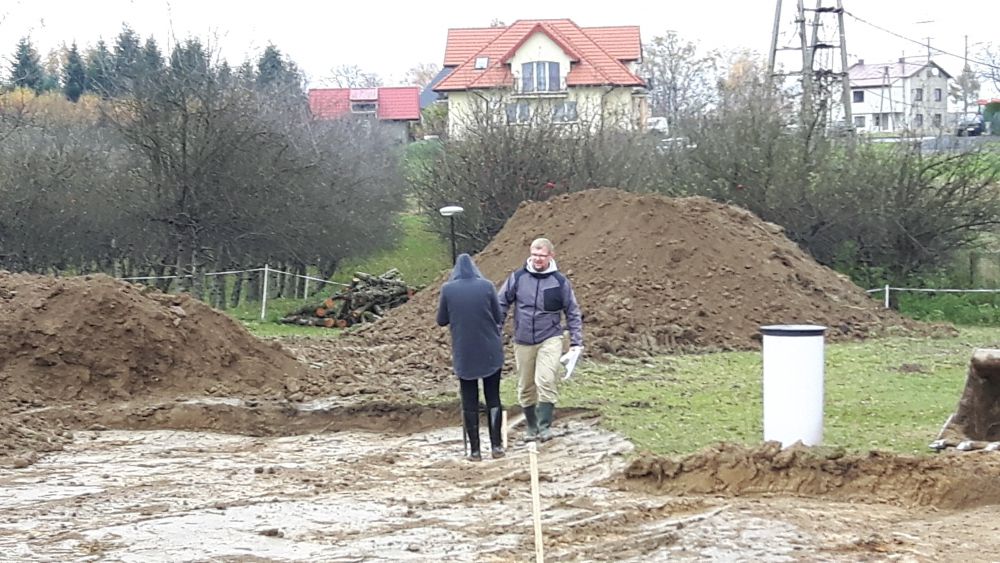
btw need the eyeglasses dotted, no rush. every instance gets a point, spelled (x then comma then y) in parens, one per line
(533, 255)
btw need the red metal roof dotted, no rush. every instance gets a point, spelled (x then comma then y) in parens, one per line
(394, 103)
(599, 53)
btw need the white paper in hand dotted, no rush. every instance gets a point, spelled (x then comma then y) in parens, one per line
(569, 360)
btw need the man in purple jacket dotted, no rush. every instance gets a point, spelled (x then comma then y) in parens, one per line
(540, 295)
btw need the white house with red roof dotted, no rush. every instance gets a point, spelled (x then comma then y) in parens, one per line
(395, 106)
(899, 96)
(551, 71)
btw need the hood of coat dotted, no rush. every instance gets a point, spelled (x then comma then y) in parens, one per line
(552, 267)
(465, 269)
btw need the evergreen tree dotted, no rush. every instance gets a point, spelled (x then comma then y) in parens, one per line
(100, 70)
(152, 58)
(26, 70)
(74, 75)
(128, 61)
(275, 74)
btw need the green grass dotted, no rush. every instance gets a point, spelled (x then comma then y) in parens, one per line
(889, 394)
(420, 257)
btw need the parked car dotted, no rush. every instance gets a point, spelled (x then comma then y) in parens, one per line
(971, 125)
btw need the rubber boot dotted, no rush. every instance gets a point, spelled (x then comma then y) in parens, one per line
(496, 432)
(470, 420)
(545, 411)
(531, 421)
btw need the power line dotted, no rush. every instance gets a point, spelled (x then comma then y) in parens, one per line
(921, 43)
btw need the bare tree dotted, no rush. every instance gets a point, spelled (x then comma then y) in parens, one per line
(990, 71)
(352, 76)
(422, 74)
(681, 79)
(965, 90)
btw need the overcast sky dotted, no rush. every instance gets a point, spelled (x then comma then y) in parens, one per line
(390, 37)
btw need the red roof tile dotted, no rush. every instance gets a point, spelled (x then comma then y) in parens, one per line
(327, 103)
(598, 53)
(395, 103)
(465, 43)
(400, 103)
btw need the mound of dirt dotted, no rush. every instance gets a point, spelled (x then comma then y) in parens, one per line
(96, 339)
(943, 481)
(652, 274)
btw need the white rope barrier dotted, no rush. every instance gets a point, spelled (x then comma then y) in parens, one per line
(267, 271)
(888, 289)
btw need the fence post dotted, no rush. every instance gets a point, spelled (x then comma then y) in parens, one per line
(263, 296)
(886, 296)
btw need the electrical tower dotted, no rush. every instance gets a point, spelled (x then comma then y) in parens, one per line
(818, 75)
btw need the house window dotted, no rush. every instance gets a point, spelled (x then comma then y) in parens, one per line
(859, 96)
(918, 120)
(564, 112)
(540, 76)
(937, 94)
(859, 122)
(482, 62)
(877, 120)
(936, 120)
(918, 94)
(364, 107)
(518, 113)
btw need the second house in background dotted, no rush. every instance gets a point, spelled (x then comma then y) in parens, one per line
(544, 71)
(899, 96)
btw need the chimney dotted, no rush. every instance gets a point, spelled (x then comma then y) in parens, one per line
(902, 60)
(861, 61)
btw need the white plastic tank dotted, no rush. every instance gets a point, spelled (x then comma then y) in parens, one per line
(793, 383)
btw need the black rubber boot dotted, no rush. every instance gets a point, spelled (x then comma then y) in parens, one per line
(496, 432)
(545, 411)
(470, 420)
(531, 421)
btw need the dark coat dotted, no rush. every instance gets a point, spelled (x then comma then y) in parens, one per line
(470, 308)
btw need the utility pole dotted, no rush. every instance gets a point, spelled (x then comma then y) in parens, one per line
(774, 39)
(807, 67)
(845, 80)
(815, 81)
(965, 68)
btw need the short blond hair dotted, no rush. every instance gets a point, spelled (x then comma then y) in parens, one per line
(544, 242)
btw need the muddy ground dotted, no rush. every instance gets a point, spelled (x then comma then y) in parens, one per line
(370, 484)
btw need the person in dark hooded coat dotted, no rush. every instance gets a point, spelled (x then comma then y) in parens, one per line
(470, 308)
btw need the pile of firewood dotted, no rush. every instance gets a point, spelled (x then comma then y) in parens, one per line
(366, 299)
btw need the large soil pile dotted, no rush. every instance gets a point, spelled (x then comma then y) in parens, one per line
(652, 275)
(95, 339)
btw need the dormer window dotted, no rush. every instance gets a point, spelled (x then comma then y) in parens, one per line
(540, 76)
(482, 63)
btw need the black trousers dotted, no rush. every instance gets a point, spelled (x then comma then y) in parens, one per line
(470, 392)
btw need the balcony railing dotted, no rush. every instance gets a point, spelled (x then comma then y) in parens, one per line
(538, 87)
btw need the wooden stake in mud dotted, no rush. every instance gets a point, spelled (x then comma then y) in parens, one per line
(536, 502)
